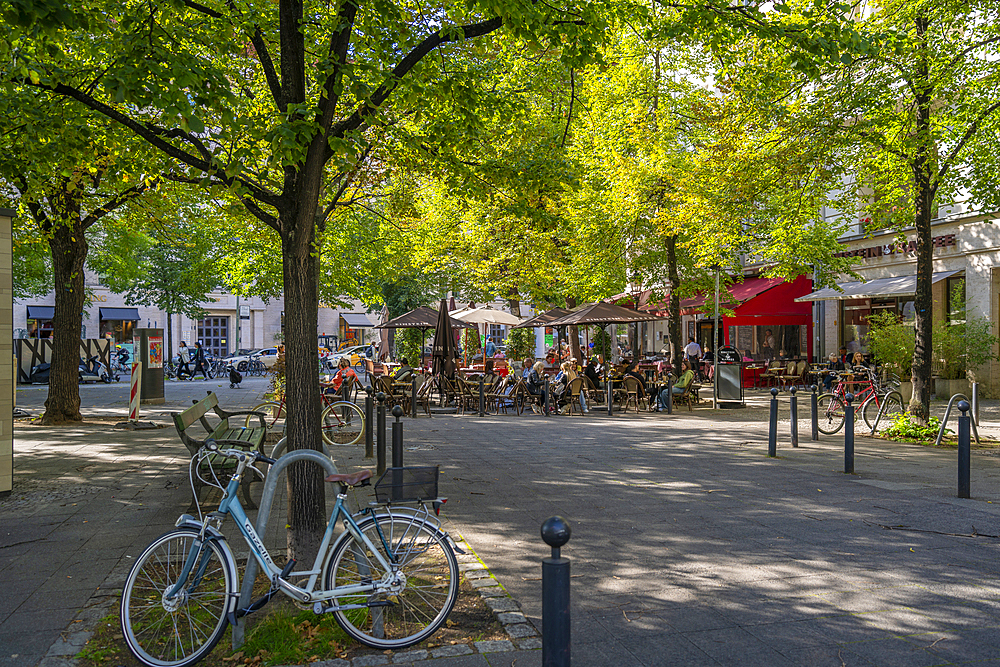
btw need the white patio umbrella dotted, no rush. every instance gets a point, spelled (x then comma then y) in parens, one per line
(487, 315)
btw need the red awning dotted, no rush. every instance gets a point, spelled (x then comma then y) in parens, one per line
(738, 293)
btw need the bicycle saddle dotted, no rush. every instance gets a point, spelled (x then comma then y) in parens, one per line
(353, 479)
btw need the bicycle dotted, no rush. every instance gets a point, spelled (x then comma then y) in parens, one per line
(342, 422)
(390, 579)
(868, 400)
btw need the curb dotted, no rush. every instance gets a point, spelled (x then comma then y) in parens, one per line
(507, 611)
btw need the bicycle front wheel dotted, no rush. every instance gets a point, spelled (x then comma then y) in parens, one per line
(163, 632)
(343, 423)
(830, 411)
(424, 568)
(893, 407)
(274, 417)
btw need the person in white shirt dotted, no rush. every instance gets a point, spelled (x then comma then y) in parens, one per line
(692, 350)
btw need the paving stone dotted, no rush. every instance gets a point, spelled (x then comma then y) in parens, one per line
(448, 651)
(496, 591)
(410, 656)
(511, 617)
(522, 630)
(502, 604)
(330, 663)
(494, 646)
(529, 643)
(370, 660)
(476, 574)
(483, 583)
(467, 567)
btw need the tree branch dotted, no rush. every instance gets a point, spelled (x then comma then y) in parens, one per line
(119, 200)
(969, 132)
(264, 58)
(249, 203)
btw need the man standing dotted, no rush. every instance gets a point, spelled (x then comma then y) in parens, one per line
(185, 358)
(692, 351)
(490, 348)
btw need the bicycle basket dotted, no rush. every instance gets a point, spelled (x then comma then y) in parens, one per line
(412, 484)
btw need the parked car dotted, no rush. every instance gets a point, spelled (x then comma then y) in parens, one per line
(269, 355)
(354, 354)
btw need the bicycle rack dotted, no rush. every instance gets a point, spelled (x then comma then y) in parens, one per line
(885, 404)
(947, 414)
(281, 446)
(267, 496)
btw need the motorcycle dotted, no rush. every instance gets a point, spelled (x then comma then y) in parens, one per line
(40, 374)
(94, 371)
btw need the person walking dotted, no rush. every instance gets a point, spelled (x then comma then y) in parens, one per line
(490, 348)
(199, 362)
(183, 368)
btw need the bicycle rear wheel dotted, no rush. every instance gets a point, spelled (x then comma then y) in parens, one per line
(893, 407)
(274, 417)
(343, 423)
(830, 410)
(173, 633)
(425, 567)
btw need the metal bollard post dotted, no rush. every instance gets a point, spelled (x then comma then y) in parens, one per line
(964, 451)
(610, 396)
(670, 394)
(772, 427)
(397, 453)
(814, 408)
(413, 396)
(482, 395)
(795, 417)
(848, 434)
(370, 422)
(555, 595)
(380, 434)
(545, 397)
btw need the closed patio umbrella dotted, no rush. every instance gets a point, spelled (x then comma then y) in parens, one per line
(444, 352)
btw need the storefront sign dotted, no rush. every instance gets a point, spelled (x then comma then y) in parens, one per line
(897, 248)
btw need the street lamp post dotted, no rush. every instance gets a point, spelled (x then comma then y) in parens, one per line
(715, 343)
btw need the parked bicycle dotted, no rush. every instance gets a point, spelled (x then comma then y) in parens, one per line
(342, 422)
(390, 579)
(869, 397)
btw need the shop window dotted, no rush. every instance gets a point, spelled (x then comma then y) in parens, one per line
(119, 331)
(213, 332)
(499, 333)
(955, 306)
(770, 342)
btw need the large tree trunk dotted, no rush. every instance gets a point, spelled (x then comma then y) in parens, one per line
(674, 309)
(306, 493)
(574, 335)
(69, 252)
(923, 324)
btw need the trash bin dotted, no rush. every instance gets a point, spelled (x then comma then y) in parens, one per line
(729, 376)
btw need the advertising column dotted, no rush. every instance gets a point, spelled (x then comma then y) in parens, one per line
(149, 352)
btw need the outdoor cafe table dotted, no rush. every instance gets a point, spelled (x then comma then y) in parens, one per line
(751, 375)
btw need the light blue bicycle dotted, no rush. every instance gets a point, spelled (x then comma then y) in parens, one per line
(390, 579)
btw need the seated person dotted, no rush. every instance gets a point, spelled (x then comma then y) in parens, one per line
(526, 367)
(344, 371)
(489, 375)
(708, 362)
(834, 366)
(686, 378)
(560, 383)
(592, 371)
(536, 385)
(404, 371)
(631, 372)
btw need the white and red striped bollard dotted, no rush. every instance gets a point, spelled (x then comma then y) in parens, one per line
(133, 402)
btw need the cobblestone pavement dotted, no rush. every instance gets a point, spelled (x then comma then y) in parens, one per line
(689, 546)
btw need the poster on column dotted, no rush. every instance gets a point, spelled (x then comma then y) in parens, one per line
(155, 358)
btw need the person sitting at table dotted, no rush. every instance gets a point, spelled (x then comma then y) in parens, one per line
(344, 371)
(536, 385)
(593, 372)
(630, 371)
(404, 371)
(834, 366)
(489, 374)
(526, 367)
(686, 378)
(708, 362)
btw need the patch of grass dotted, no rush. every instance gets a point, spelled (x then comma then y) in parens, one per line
(284, 634)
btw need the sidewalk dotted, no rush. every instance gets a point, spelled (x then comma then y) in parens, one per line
(689, 546)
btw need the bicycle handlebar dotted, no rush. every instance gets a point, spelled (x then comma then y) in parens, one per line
(238, 454)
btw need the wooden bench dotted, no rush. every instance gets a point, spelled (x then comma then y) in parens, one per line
(227, 435)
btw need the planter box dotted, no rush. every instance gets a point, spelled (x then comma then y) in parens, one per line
(945, 389)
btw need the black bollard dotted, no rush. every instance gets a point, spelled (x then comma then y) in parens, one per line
(772, 427)
(482, 395)
(380, 433)
(848, 434)
(545, 396)
(610, 397)
(814, 408)
(795, 417)
(670, 394)
(369, 423)
(413, 396)
(964, 451)
(397, 453)
(555, 595)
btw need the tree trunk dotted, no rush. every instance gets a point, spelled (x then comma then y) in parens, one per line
(574, 335)
(69, 252)
(920, 374)
(306, 493)
(674, 309)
